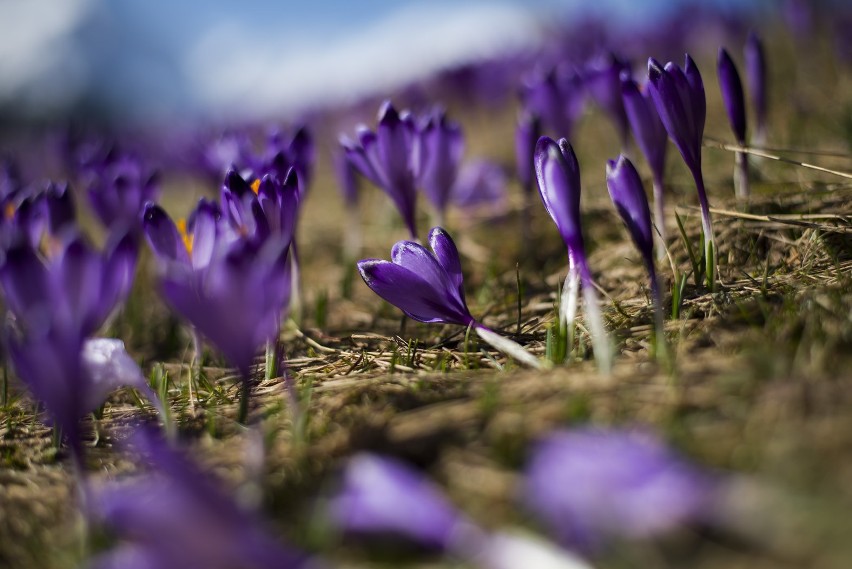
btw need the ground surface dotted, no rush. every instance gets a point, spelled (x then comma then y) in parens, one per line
(760, 390)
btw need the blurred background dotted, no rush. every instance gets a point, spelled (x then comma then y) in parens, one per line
(215, 59)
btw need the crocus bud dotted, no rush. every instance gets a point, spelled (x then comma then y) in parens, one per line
(732, 95)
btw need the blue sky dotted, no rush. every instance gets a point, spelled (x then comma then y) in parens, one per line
(209, 57)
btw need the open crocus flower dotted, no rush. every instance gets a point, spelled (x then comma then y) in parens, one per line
(176, 517)
(75, 289)
(57, 304)
(755, 70)
(191, 243)
(734, 100)
(651, 136)
(439, 153)
(428, 287)
(680, 100)
(589, 485)
(387, 159)
(558, 176)
(235, 302)
(385, 497)
(628, 195)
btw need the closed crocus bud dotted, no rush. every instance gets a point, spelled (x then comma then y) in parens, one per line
(441, 145)
(755, 71)
(680, 100)
(651, 136)
(732, 94)
(558, 174)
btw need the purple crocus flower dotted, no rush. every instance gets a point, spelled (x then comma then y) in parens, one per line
(556, 97)
(384, 497)
(60, 208)
(679, 97)
(558, 174)
(628, 195)
(428, 287)
(481, 183)
(602, 80)
(651, 136)
(235, 301)
(58, 303)
(119, 191)
(387, 159)
(439, 153)
(76, 289)
(177, 517)
(381, 496)
(734, 100)
(588, 485)
(755, 68)
(283, 153)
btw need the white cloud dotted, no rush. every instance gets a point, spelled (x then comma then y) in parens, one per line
(231, 70)
(35, 54)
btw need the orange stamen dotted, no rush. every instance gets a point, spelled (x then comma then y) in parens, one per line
(255, 186)
(185, 235)
(9, 211)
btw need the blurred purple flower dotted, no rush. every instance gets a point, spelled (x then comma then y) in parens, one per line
(221, 153)
(60, 208)
(176, 517)
(755, 68)
(381, 496)
(602, 80)
(439, 153)
(557, 97)
(384, 497)
(652, 138)
(76, 289)
(480, 183)
(192, 242)
(558, 174)
(119, 191)
(588, 485)
(387, 159)
(283, 153)
(347, 179)
(236, 301)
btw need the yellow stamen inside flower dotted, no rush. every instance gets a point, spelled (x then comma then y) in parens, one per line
(9, 211)
(185, 235)
(255, 186)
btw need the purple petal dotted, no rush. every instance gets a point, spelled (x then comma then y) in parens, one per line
(622, 484)
(448, 257)
(628, 195)
(558, 176)
(755, 67)
(648, 130)
(381, 496)
(411, 293)
(732, 94)
(163, 236)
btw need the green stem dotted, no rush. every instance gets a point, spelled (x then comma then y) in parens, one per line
(245, 392)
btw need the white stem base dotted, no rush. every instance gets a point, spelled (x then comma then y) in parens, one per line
(508, 347)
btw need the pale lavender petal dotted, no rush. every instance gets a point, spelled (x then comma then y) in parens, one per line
(381, 496)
